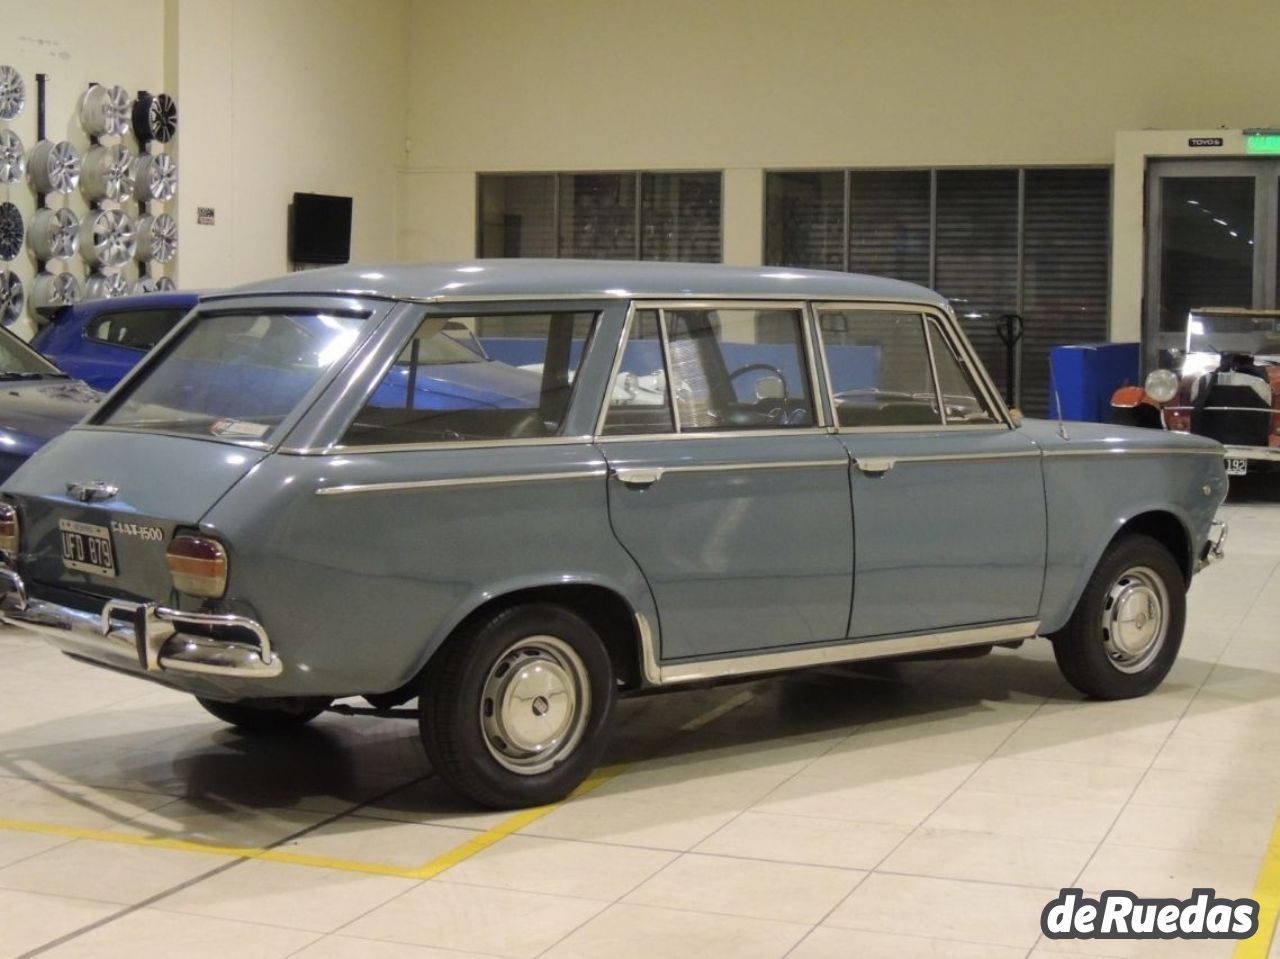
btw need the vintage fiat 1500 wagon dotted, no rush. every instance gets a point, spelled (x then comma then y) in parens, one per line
(679, 474)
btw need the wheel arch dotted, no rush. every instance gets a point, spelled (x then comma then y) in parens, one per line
(1165, 528)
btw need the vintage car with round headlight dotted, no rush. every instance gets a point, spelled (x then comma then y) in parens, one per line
(701, 473)
(1224, 383)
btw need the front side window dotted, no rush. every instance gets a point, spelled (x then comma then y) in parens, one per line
(236, 375)
(135, 329)
(724, 369)
(882, 367)
(469, 378)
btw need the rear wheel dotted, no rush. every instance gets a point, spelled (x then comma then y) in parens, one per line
(516, 710)
(1124, 635)
(276, 717)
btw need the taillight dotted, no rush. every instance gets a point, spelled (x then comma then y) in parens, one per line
(198, 566)
(10, 531)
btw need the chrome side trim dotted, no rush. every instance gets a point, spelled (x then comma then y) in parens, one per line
(960, 457)
(656, 473)
(1134, 451)
(432, 447)
(457, 482)
(713, 435)
(932, 428)
(846, 652)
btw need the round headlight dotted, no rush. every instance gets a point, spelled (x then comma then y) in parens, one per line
(1162, 385)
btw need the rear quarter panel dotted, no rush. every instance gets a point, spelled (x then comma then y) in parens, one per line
(1102, 477)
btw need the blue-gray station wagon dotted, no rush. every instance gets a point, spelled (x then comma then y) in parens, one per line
(515, 490)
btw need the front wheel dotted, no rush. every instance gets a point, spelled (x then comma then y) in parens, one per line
(1124, 635)
(515, 711)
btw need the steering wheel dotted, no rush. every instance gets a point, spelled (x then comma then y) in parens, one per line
(768, 368)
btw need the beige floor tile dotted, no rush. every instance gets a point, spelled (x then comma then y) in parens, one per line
(560, 867)
(283, 894)
(852, 765)
(17, 846)
(804, 839)
(1196, 829)
(221, 823)
(1220, 759)
(383, 842)
(747, 887)
(676, 824)
(1195, 790)
(726, 788)
(946, 909)
(107, 872)
(1062, 739)
(1171, 873)
(29, 920)
(77, 806)
(151, 934)
(1015, 860)
(432, 802)
(346, 947)
(829, 943)
(476, 919)
(893, 802)
(1032, 778)
(1011, 815)
(643, 932)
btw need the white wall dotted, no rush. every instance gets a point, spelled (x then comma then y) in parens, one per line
(278, 96)
(748, 85)
(73, 43)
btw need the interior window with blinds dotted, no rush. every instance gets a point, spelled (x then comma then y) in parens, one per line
(596, 216)
(1032, 241)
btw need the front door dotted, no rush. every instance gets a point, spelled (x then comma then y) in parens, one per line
(1213, 238)
(724, 484)
(948, 499)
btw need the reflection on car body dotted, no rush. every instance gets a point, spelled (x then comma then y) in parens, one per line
(515, 490)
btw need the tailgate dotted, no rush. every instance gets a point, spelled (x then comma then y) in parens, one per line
(114, 544)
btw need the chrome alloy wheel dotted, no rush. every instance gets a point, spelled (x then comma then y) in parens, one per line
(13, 93)
(107, 173)
(155, 177)
(1134, 619)
(534, 704)
(157, 238)
(13, 157)
(54, 167)
(50, 290)
(107, 238)
(54, 234)
(105, 111)
(105, 286)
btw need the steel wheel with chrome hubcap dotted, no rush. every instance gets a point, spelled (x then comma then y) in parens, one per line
(1125, 632)
(515, 708)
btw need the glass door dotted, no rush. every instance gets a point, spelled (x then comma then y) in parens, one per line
(1212, 240)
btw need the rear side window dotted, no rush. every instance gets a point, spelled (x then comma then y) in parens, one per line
(235, 376)
(135, 329)
(468, 378)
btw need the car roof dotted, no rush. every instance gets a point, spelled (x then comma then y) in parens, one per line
(597, 279)
(159, 300)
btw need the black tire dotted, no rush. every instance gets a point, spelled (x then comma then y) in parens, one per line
(265, 719)
(494, 754)
(1105, 655)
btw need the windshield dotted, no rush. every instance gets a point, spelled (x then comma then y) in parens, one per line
(235, 376)
(19, 361)
(1252, 332)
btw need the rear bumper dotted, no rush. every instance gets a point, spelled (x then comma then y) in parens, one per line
(143, 637)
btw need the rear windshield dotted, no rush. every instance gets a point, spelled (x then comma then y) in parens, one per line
(235, 376)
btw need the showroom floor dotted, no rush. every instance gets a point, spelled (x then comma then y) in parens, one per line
(929, 809)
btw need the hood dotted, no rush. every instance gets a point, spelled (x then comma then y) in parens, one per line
(1100, 437)
(32, 412)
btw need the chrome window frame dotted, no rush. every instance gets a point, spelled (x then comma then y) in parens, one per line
(817, 397)
(949, 329)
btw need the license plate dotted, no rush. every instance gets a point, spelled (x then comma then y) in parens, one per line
(1237, 466)
(87, 548)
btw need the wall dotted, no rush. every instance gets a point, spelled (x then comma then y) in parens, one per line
(748, 85)
(123, 46)
(277, 97)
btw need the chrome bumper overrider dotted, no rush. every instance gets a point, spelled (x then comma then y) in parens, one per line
(143, 637)
(1213, 547)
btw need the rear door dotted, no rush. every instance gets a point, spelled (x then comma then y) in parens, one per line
(948, 499)
(725, 485)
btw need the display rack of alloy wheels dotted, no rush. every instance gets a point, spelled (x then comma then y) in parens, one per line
(13, 157)
(53, 170)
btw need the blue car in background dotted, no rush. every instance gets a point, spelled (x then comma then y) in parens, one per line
(99, 341)
(37, 402)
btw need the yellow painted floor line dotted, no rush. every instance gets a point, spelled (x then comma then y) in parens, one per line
(434, 867)
(1266, 892)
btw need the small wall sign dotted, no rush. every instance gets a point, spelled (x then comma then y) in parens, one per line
(1205, 142)
(204, 215)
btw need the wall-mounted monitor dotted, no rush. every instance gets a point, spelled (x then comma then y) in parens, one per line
(319, 228)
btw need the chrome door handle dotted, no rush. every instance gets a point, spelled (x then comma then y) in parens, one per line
(638, 477)
(875, 465)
